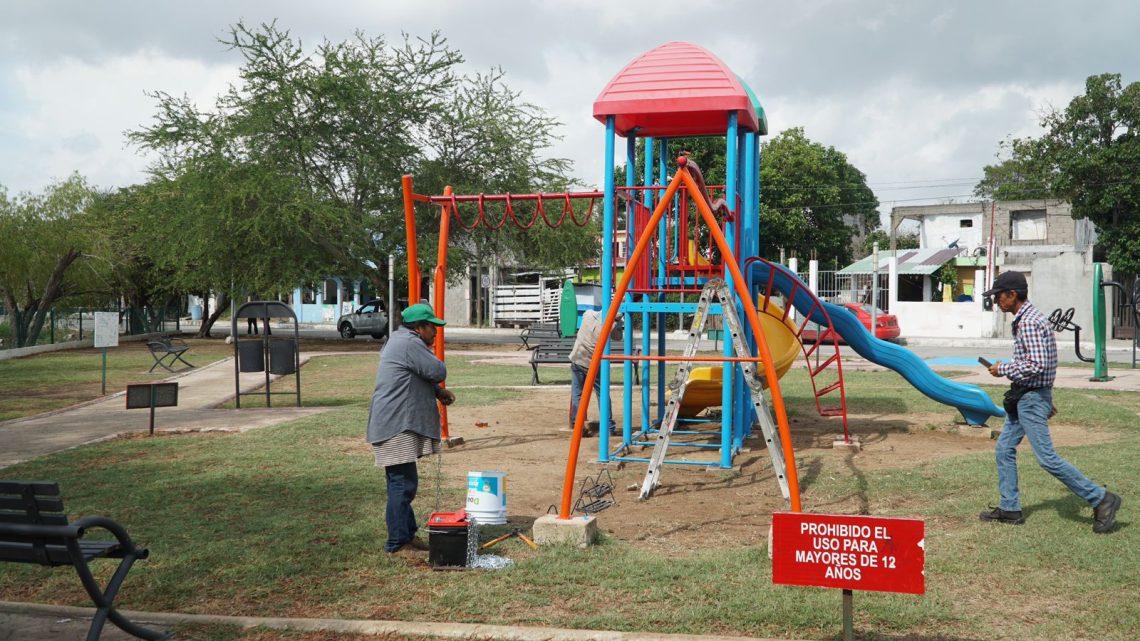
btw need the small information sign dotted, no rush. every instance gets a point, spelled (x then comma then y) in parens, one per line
(106, 329)
(152, 395)
(849, 552)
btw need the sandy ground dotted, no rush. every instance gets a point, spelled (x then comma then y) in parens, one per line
(529, 441)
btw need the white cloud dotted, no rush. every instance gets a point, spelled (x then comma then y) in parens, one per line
(72, 115)
(912, 92)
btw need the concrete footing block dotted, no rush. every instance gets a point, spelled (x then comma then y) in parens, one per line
(851, 444)
(453, 441)
(580, 531)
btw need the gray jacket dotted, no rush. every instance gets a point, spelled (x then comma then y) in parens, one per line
(406, 387)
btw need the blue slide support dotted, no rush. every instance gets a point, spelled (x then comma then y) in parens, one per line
(970, 400)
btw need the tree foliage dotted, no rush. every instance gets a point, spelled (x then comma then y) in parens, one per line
(902, 241)
(1094, 149)
(1088, 155)
(1022, 172)
(812, 199)
(45, 254)
(294, 173)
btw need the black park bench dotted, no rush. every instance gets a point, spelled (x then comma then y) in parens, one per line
(536, 334)
(34, 529)
(167, 350)
(557, 352)
(552, 352)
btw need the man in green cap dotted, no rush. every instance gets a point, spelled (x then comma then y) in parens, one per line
(403, 420)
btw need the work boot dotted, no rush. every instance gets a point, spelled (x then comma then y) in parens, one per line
(418, 544)
(1001, 516)
(1104, 514)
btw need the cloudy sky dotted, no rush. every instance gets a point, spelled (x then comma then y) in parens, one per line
(917, 94)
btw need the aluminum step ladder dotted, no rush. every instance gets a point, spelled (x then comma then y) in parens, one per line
(716, 289)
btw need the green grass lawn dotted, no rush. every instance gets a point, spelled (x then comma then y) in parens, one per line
(289, 521)
(37, 384)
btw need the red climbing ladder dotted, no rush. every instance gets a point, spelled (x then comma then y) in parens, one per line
(826, 371)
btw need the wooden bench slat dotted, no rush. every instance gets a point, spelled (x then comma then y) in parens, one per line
(21, 517)
(57, 554)
(9, 502)
(39, 488)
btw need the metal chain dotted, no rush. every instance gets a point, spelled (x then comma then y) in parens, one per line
(438, 479)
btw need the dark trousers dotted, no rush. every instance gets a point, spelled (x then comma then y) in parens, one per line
(403, 480)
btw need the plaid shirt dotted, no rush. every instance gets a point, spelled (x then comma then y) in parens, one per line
(1034, 361)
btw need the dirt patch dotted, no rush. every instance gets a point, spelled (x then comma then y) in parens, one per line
(693, 505)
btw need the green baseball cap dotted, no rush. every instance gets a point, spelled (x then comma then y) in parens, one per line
(421, 312)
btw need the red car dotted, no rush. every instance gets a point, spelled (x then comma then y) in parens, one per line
(886, 325)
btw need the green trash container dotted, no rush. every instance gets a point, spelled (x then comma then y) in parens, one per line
(282, 357)
(251, 356)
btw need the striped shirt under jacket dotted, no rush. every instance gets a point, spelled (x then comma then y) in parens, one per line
(1034, 361)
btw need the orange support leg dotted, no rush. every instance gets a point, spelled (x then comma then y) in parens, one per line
(753, 321)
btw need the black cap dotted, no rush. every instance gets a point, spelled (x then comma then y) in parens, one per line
(1008, 281)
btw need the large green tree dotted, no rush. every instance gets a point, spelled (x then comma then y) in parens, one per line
(298, 165)
(46, 242)
(1088, 155)
(812, 200)
(313, 140)
(1093, 147)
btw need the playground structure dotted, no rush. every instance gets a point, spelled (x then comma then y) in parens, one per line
(677, 245)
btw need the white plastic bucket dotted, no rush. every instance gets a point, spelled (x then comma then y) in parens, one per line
(487, 497)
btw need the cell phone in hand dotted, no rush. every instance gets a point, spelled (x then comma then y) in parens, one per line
(984, 362)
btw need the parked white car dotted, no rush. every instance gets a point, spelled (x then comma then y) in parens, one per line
(371, 318)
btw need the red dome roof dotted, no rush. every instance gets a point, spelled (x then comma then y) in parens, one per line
(677, 89)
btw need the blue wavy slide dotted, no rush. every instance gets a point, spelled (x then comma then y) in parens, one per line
(970, 400)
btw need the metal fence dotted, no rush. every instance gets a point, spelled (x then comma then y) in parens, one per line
(78, 323)
(850, 288)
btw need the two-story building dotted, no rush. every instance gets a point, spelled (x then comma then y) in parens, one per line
(1037, 237)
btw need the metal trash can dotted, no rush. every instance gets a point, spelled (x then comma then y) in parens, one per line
(251, 356)
(282, 357)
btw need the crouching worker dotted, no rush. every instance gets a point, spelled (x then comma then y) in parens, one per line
(580, 356)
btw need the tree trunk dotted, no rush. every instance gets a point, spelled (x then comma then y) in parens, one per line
(208, 317)
(52, 290)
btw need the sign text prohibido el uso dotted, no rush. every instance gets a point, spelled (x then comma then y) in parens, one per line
(849, 552)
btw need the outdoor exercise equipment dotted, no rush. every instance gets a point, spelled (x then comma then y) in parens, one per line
(1063, 321)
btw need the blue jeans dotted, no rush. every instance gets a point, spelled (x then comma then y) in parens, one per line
(577, 383)
(403, 480)
(1033, 422)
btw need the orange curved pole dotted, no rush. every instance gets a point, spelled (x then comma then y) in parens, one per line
(607, 325)
(440, 293)
(410, 236)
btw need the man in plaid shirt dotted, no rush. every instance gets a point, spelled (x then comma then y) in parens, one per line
(1029, 406)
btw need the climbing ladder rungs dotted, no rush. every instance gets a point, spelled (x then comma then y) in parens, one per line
(830, 388)
(824, 364)
(715, 289)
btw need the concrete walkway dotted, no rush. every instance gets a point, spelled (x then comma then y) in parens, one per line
(33, 622)
(200, 391)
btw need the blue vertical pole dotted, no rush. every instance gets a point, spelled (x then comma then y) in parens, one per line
(728, 369)
(749, 227)
(627, 383)
(607, 288)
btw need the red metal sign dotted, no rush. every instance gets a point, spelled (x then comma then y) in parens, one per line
(849, 552)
